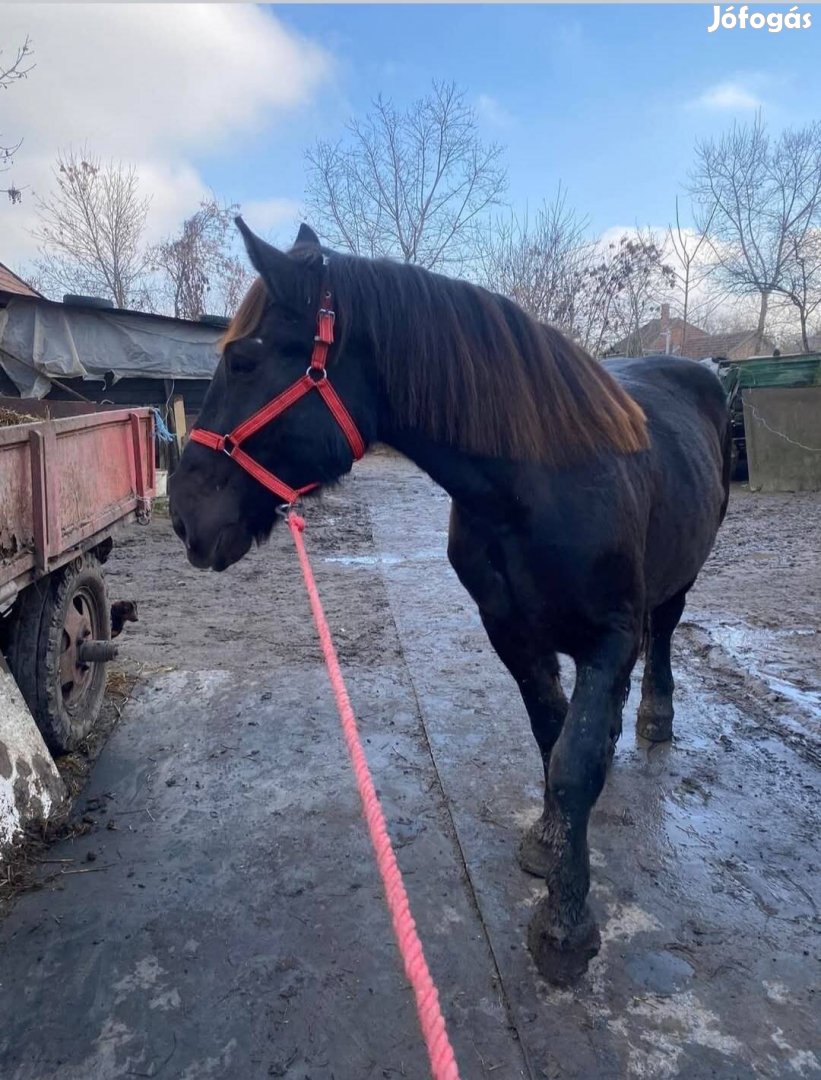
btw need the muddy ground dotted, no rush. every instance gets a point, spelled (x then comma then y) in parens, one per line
(222, 916)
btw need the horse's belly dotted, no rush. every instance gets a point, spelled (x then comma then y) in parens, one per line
(681, 534)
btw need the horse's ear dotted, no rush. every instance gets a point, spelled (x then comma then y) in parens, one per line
(279, 272)
(306, 235)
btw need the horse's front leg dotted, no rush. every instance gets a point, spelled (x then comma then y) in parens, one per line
(563, 935)
(535, 667)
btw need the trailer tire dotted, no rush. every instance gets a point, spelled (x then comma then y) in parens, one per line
(64, 697)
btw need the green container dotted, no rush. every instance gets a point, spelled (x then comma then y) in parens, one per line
(786, 371)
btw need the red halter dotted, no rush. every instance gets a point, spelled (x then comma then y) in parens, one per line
(315, 378)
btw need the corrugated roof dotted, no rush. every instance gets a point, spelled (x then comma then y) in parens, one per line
(11, 283)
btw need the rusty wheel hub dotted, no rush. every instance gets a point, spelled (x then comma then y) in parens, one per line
(79, 629)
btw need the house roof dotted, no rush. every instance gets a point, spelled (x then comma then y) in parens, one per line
(698, 344)
(655, 327)
(703, 345)
(11, 283)
(652, 330)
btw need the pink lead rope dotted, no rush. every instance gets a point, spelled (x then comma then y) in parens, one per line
(442, 1059)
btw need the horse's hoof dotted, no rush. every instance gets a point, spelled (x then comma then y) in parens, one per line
(561, 955)
(534, 855)
(655, 725)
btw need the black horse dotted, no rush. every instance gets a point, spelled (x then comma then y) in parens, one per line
(586, 498)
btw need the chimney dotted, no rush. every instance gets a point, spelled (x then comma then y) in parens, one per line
(664, 328)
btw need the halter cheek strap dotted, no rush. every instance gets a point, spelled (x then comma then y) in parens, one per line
(315, 378)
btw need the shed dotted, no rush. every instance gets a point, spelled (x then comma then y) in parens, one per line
(776, 404)
(83, 349)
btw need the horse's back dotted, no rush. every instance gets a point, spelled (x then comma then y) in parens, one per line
(652, 379)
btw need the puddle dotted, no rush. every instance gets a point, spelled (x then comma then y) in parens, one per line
(384, 559)
(765, 653)
(658, 971)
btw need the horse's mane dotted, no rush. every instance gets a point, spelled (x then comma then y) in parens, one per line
(247, 316)
(471, 369)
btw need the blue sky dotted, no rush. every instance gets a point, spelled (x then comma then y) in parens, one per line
(607, 99)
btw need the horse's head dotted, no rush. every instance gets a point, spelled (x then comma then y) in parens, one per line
(217, 507)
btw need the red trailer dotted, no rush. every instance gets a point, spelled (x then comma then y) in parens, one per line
(66, 481)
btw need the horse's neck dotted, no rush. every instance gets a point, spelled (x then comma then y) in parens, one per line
(475, 482)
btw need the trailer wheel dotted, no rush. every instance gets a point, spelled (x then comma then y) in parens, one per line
(63, 690)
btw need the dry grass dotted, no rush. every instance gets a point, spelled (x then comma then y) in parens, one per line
(10, 417)
(120, 684)
(28, 866)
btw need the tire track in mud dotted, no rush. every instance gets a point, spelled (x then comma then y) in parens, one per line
(722, 674)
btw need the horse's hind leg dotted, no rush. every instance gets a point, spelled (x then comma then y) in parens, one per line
(537, 675)
(655, 717)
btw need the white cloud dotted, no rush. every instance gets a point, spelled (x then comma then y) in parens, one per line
(158, 85)
(728, 95)
(273, 218)
(614, 233)
(175, 188)
(493, 111)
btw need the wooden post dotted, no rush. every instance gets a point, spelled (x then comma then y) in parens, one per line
(178, 408)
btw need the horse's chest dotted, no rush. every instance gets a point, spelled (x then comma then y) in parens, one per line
(507, 578)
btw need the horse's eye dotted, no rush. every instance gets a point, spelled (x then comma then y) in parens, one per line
(241, 365)
(243, 357)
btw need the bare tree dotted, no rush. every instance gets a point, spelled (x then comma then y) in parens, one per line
(599, 296)
(599, 290)
(90, 229)
(197, 268)
(802, 280)
(413, 185)
(539, 264)
(12, 72)
(235, 280)
(767, 198)
(627, 286)
(695, 264)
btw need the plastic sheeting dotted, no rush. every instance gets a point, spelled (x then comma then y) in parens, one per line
(71, 343)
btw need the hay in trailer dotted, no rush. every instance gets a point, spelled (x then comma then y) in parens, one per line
(10, 417)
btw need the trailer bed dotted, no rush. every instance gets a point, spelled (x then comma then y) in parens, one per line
(66, 482)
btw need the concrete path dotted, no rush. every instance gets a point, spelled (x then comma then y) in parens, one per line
(230, 923)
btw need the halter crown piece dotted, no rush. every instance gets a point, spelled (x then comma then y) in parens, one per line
(315, 378)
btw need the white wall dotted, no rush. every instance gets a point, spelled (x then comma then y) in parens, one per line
(31, 790)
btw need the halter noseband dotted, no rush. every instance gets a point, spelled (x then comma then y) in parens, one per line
(315, 378)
